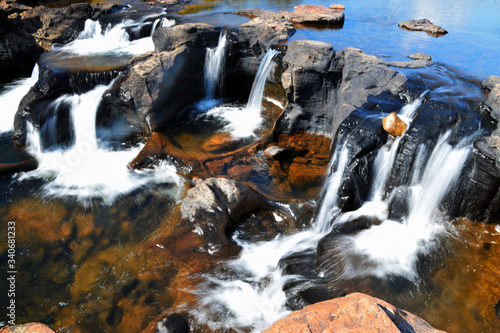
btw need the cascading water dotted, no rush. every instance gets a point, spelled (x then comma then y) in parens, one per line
(10, 98)
(161, 23)
(85, 171)
(214, 65)
(257, 299)
(242, 122)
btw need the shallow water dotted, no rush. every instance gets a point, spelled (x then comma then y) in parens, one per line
(118, 265)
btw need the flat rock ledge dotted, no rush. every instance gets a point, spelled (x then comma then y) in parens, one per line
(301, 15)
(423, 25)
(354, 313)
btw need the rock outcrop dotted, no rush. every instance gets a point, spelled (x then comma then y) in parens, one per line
(423, 25)
(27, 328)
(356, 313)
(27, 32)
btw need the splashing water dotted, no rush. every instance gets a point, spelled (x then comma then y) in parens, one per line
(161, 23)
(86, 171)
(113, 40)
(10, 98)
(243, 121)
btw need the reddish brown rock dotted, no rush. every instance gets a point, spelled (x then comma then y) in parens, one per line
(394, 125)
(27, 328)
(303, 175)
(337, 7)
(354, 313)
(219, 141)
(312, 14)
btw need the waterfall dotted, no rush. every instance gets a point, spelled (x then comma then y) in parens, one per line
(253, 297)
(214, 65)
(86, 171)
(161, 23)
(10, 97)
(114, 40)
(255, 100)
(243, 122)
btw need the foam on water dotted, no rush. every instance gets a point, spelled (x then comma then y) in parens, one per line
(93, 41)
(86, 171)
(11, 96)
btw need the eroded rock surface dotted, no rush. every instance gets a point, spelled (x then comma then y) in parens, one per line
(423, 25)
(356, 312)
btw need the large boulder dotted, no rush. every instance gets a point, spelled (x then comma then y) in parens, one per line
(354, 313)
(313, 71)
(160, 84)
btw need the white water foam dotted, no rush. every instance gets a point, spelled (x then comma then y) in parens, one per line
(161, 23)
(10, 98)
(244, 121)
(86, 171)
(114, 40)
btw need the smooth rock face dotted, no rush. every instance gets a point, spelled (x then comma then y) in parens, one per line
(423, 25)
(394, 125)
(354, 313)
(311, 79)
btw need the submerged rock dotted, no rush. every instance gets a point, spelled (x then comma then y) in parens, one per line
(355, 312)
(423, 25)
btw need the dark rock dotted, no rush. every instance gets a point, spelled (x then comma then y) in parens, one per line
(363, 76)
(356, 225)
(311, 79)
(174, 324)
(191, 35)
(11, 168)
(399, 203)
(356, 312)
(423, 25)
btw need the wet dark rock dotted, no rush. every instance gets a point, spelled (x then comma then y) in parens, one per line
(363, 76)
(399, 203)
(11, 168)
(313, 71)
(26, 32)
(173, 324)
(301, 263)
(355, 225)
(423, 25)
(191, 35)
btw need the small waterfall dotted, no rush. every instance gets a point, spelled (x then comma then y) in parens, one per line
(255, 100)
(161, 23)
(86, 171)
(214, 65)
(10, 97)
(242, 122)
(114, 40)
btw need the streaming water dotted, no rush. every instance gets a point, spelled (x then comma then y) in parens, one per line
(162, 23)
(243, 121)
(11, 96)
(86, 171)
(214, 66)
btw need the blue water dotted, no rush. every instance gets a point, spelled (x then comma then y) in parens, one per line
(472, 44)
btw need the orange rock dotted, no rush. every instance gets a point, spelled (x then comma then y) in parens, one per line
(354, 313)
(303, 175)
(394, 125)
(219, 141)
(241, 172)
(27, 328)
(337, 7)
